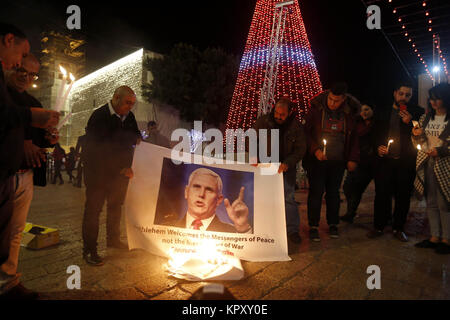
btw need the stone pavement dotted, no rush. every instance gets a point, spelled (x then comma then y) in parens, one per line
(330, 269)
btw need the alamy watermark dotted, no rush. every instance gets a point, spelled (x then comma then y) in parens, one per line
(74, 20)
(251, 147)
(373, 17)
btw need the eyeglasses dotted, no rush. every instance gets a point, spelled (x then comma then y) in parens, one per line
(24, 72)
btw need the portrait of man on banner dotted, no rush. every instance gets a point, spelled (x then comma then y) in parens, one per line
(205, 198)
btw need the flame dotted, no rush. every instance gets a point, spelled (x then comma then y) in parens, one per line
(63, 71)
(419, 147)
(72, 78)
(390, 141)
(324, 142)
(206, 252)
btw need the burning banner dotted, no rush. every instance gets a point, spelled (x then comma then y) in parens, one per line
(216, 213)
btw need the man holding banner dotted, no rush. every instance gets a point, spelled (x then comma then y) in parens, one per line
(292, 147)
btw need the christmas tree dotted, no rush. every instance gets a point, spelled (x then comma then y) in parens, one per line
(277, 39)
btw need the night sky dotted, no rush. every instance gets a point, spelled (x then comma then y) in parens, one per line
(343, 47)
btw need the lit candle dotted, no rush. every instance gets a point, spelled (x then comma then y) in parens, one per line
(61, 89)
(324, 147)
(389, 143)
(419, 147)
(66, 95)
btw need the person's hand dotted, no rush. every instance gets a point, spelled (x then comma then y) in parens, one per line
(432, 152)
(43, 118)
(416, 131)
(351, 166)
(405, 115)
(52, 135)
(283, 168)
(382, 151)
(238, 212)
(319, 155)
(33, 154)
(127, 172)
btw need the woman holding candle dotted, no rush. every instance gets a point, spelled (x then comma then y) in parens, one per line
(433, 167)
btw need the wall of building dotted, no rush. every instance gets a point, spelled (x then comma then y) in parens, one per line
(97, 88)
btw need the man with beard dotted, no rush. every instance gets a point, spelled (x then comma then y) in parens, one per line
(292, 147)
(395, 162)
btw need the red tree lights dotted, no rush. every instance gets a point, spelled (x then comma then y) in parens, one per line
(297, 75)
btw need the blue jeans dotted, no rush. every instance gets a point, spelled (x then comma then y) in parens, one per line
(291, 208)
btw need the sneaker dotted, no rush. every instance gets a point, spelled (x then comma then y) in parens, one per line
(314, 234)
(374, 233)
(347, 218)
(7, 282)
(427, 244)
(443, 248)
(400, 235)
(19, 292)
(295, 237)
(334, 232)
(93, 259)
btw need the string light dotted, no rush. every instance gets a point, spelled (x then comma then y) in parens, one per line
(414, 46)
(297, 72)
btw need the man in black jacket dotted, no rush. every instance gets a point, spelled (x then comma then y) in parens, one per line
(395, 168)
(292, 147)
(111, 135)
(36, 139)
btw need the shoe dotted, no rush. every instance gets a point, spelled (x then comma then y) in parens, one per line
(334, 233)
(314, 234)
(443, 248)
(347, 218)
(427, 244)
(374, 233)
(19, 292)
(7, 281)
(93, 259)
(295, 237)
(117, 244)
(400, 235)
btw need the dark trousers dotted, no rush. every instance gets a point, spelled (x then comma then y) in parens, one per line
(79, 177)
(355, 184)
(57, 175)
(393, 178)
(324, 176)
(112, 189)
(6, 212)
(291, 207)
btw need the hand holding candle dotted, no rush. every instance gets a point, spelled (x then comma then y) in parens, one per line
(389, 143)
(58, 103)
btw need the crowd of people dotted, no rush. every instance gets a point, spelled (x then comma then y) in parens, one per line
(402, 147)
